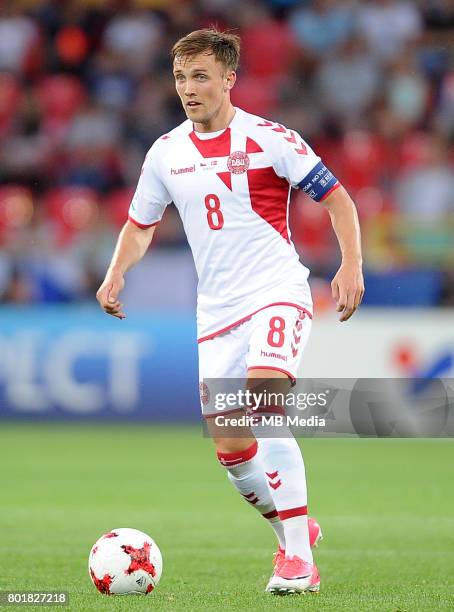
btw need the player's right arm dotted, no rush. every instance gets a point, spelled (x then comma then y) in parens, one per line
(147, 207)
(132, 244)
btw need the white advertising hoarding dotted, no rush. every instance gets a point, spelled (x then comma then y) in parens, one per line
(381, 343)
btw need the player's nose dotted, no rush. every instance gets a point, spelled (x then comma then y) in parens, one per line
(189, 89)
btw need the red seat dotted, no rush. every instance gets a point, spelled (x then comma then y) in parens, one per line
(60, 96)
(311, 228)
(268, 49)
(16, 206)
(72, 45)
(414, 148)
(117, 205)
(255, 95)
(73, 209)
(10, 95)
(364, 160)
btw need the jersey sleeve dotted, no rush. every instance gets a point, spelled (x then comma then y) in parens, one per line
(151, 196)
(294, 160)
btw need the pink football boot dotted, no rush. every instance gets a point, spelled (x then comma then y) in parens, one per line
(315, 537)
(294, 576)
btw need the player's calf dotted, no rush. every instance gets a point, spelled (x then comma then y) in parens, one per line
(245, 472)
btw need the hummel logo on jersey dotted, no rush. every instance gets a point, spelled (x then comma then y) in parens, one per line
(182, 170)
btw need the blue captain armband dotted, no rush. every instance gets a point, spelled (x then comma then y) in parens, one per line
(319, 183)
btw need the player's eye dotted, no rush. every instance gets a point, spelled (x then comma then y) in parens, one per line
(179, 77)
(201, 77)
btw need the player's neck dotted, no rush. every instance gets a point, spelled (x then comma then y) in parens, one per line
(220, 122)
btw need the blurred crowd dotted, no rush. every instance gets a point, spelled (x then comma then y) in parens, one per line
(86, 87)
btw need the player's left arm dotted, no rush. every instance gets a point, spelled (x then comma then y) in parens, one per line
(295, 160)
(348, 284)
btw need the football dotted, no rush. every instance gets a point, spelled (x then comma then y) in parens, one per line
(125, 561)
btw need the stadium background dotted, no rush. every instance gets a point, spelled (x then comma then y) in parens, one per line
(85, 88)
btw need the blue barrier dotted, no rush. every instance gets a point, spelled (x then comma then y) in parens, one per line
(75, 363)
(403, 288)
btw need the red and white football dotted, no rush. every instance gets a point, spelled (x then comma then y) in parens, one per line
(125, 561)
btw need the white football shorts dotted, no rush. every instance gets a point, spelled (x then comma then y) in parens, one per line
(274, 338)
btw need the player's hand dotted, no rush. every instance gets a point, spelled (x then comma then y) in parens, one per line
(347, 288)
(107, 295)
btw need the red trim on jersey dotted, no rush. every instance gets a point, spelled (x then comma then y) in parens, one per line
(291, 138)
(252, 146)
(219, 146)
(231, 459)
(242, 320)
(226, 178)
(267, 367)
(336, 186)
(141, 225)
(286, 514)
(269, 196)
(302, 150)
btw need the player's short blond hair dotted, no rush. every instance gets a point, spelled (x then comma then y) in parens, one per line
(223, 45)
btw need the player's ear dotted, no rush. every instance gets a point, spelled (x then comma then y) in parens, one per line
(230, 79)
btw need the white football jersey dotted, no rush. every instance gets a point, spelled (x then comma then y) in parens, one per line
(232, 192)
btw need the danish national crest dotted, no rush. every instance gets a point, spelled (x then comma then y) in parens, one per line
(238, 162)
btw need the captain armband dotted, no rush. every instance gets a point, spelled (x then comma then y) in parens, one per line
(319, 183)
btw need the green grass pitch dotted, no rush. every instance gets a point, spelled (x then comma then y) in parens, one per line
(386, 508)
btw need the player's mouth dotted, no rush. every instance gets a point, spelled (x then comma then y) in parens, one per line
(193, 104)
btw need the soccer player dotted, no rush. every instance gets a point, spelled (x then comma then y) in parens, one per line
(229, 173)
